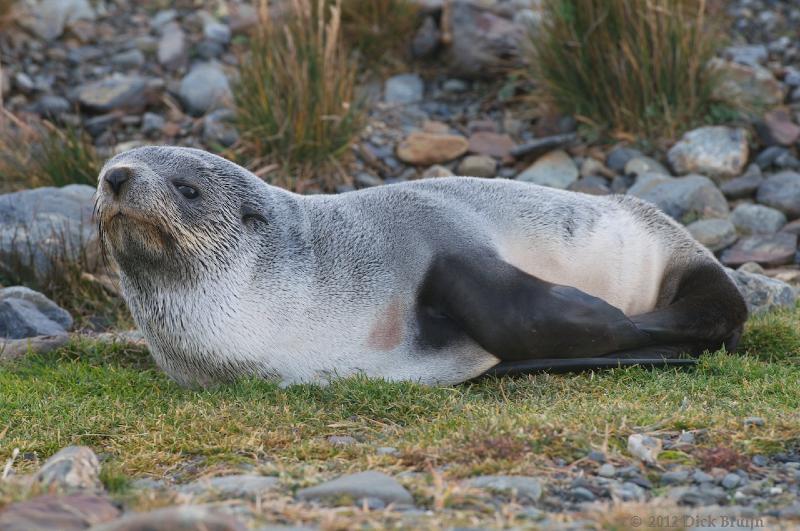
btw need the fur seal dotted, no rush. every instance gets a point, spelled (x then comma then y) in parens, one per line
(435, 281)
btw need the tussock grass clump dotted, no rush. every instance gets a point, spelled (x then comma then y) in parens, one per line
(43, 155)
(379, 30)
(632, 66)
(296, 103)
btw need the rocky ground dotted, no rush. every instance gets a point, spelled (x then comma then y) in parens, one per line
(138, 73)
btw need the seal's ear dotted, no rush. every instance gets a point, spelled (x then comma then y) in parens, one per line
(251, 213)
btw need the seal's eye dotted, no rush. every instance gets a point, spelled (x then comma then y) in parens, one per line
(187, 191)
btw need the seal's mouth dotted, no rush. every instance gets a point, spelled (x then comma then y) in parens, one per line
(123, 229)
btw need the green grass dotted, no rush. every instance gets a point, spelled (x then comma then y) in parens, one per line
(630, 67)
(113, 399)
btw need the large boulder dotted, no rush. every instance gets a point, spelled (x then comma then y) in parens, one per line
(43, 224)
(781, 192)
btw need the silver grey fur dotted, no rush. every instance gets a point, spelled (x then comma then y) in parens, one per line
(322, 287)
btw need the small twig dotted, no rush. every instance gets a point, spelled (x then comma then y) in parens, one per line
(10, 463)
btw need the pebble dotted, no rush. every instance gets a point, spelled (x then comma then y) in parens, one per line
(762, 294)
(639, 165)
(607, 471)
(403, 89)
(701, 477)
(644, 447)
(778, 128)
(437, 171)
(426, 39)
(133, 58)
(491, 144)
(748, 85)
(583, 494)
(341, 440)
(592, 185)
(719, 152)
(386, 450)
(74, 468)
(172, 47)
(543, 145)
(618, 158)
(370, 484)
(591, 167)
(529, 488)
(365, 180)
(760, 460)
(765, 249)
(745, 185)
(782, 192)
(116, 92)
(218, 129)
(218, 32)
(235, 486)
(748, 54)
(152, 124)
(49, 512)
(754, 421)
(51, 106)
(715, 234)
(27, 313)
(731, 481)
(204, 88)
(425, 149)
(675, 477)
(686, 199)
(183, 517)
(757, 219)
(555, 169)
(478, 166)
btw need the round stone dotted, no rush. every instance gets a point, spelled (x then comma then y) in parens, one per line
(555, 169)
(757, 219)
(715, 234)
(425, 149)
(716, 151)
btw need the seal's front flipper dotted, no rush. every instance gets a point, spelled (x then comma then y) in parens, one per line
(516, 316)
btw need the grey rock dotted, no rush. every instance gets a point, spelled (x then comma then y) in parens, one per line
(172, 47)
(52, 16)
(27, 313)
(748, 54)
(745, 185)
(686, 437)
(583, 494)
(757, 219)
(236, 486)
(218, 32)
(182, 517)
(766, 249)
(701, 477)
(716, 151)
(41, 224)
(358, 486)
(675, 477)
(760, 460)
(65, 513)
(715, 234)
(478, 166)
(218, 129)
(556, 170)
(526, 487)
(782, 192)
(746, 84)
(13, 349)
(386, 450)
(365, 180)
(686, 199)
(209, 50)
(162, 18)
(769, 155)
(152, 124)
(703, 495)
(590, 185)
(628, 491)
(640, 165)
(437, 171)
(752, 267)
(116, 92)
(133, 58)
(761, 293)
(607, 471)
(204, 88)
(455, 86)
(403, 89)
(731, 481)
(24, 83)
(619, 157)
(51, 106)
(74, 468)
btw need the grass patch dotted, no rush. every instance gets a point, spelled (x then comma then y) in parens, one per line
(636, 68)
(40, 154)
(112, 398)
(296, 107)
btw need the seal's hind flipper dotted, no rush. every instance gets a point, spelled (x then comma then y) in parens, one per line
(653, 357)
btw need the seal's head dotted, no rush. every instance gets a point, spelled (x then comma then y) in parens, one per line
(176, 212)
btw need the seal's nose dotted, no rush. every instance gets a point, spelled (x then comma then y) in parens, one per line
(116, 177)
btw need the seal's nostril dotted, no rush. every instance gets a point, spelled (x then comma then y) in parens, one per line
(116, 177)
